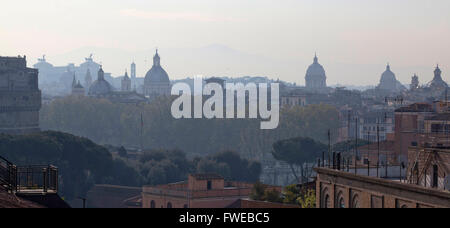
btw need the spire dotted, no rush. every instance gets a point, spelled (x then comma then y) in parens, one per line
(316, 60)
(74, 81)
(156, 59)
(388, 67)
(101, 74)
(437, 73)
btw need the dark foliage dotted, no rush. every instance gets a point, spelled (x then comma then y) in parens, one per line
(81, 162)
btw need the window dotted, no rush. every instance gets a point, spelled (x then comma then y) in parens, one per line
(325, 199)
(209, 187)
(435, 176)
(355, 202)
(340, 201)
(327, 202)
(152, 204)
(169, 205)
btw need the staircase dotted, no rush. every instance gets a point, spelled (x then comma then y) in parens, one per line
(8, 173)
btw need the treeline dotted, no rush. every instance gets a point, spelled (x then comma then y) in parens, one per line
(120, 124)
(169, 166)
(82, 163)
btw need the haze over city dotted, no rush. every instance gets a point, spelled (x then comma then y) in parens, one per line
(353, 39)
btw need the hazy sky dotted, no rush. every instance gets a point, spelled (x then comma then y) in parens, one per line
(412, 35)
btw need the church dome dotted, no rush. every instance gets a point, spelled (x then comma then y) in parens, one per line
(100, 86)
(388, 76)
(316, 70)
(156, 74)
(389, 82)
(315, 75)
(438, 82)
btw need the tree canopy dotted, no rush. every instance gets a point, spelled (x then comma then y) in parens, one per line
(297, 151)
(81, 163)
(120, 124)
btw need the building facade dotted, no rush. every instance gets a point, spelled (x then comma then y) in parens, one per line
(56, 80)
(290, 101)
(199, 191)
(20, 97)
(338, 189)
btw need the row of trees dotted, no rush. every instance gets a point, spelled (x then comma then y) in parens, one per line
(82, 163)
(121, 124)
(168, 166)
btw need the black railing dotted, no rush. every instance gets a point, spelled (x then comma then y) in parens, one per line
(28, 179)
(37, 179)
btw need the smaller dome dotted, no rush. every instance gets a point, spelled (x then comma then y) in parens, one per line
(101, 87)
(438, 82)
(389, 82)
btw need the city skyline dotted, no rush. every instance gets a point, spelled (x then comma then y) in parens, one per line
(354, 39)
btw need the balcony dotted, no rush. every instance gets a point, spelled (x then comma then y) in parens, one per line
(28, 179)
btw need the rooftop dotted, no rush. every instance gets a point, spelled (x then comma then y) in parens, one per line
(416, 107)
(441, 116)
(207, 176)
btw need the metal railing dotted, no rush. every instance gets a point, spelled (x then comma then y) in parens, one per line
(37, 179)
(28, 179)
